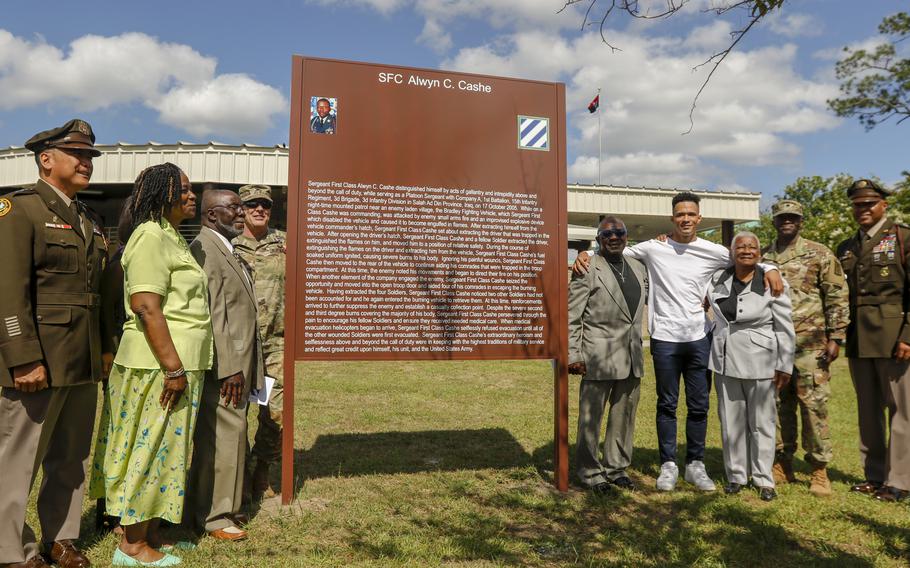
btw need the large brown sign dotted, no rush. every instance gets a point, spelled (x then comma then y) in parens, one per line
(429, 212)
(426, 215)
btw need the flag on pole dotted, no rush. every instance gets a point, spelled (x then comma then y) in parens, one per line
(595, 104)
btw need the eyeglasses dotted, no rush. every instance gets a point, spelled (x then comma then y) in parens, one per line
(865, 204)
(253, 204)
(607, 233)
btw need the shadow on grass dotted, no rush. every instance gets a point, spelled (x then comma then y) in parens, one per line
(895, 539)
(348, 455)
(527, 525)
(88, 533)
(649, 528)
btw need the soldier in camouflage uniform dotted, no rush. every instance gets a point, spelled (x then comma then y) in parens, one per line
(264, 249)
(819, 294)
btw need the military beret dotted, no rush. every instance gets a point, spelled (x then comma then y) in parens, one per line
(866, 188)
(251, 192)
(76, 134)
(787, 207)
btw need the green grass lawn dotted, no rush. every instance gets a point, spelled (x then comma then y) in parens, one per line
(428, 464)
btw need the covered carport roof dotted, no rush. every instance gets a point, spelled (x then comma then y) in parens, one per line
(120, 163)
(646, 210)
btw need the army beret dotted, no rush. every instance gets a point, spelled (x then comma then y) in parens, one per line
(866, 188)
(76, 134)
(787, 207)
(251, 192)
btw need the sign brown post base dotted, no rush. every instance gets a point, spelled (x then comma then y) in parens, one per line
(561, 425)
(287, 435)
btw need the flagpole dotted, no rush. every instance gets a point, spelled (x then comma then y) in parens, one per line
(600, 143)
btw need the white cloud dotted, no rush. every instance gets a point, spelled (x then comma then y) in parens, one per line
(100, 72)
(713, 37)
(232, 104)
(751, 149)
(837, 53)
(440, 15)
(754, 104)
(733, 187)
(383, 6)
(436, 36)
(501, 13)
(794, 24)
(639, 169)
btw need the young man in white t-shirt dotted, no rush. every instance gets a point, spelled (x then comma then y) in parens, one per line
(679, 270)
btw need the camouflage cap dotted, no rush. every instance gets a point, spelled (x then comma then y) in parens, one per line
(787, 207)
(76, 134)
(251, 192)
(866, 188)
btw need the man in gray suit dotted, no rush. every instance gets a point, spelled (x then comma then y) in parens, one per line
(605, 309)
(216, 476)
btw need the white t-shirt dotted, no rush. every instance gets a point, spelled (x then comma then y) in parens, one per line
(679, 275)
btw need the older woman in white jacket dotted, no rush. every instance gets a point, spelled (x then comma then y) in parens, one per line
(752, 357)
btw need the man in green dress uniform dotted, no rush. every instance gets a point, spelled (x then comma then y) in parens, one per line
(50, 347)
(878, 341)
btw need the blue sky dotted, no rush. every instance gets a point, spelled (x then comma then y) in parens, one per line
(199, 71)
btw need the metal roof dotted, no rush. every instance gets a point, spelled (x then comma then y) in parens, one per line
(646, 210)
(657, 202)
(120, 163)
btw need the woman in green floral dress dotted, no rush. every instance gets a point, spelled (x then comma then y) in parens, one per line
(156, 381)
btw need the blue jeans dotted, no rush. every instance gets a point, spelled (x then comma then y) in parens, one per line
(689, 359)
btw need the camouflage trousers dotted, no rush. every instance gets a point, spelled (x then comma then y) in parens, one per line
(808, 391)
(267, 443)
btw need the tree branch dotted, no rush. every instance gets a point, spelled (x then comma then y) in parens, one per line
(758, 10)
(720, 56)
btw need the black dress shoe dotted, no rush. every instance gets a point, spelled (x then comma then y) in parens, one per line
(767, 494)
(732, 488)
(867, 487)
(624, 483)
(602, 488)
(890, 494)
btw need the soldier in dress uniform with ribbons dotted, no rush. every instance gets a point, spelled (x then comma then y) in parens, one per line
(50, 347)
(875, 261)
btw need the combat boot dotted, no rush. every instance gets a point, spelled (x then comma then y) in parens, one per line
(783, 471)
(820, 485)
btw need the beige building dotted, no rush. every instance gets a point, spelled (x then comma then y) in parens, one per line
(646, 211)
(207, 165)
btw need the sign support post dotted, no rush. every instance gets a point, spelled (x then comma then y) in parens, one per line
(561, 332)
(291, 283)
